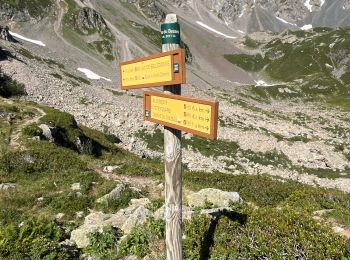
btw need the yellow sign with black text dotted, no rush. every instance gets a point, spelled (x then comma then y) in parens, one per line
(145, 72)
(157, 70)
(188, 114)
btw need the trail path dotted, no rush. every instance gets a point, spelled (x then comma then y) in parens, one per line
(15, 141)
(139, 182)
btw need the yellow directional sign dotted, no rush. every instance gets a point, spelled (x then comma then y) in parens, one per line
(188, 114)
(145, 72)
(161, 69)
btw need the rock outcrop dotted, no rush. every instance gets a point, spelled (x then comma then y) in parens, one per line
(49, 132)
(217, 198)
(7, 186)
(89, 21)
(124, 219)
(26, 11)
(113, 195)
(5, 34)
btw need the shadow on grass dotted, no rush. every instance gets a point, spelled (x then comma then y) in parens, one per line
(208, 240)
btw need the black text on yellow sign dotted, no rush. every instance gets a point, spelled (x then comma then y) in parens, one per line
(191, 115)
(157, 70)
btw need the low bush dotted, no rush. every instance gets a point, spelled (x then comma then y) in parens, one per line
(41, 157)
(104, 245)
(266, 233)
(248, 62)
(141, 238)
(35, 239)
(32, 130)
(9, 87)
(113, 205)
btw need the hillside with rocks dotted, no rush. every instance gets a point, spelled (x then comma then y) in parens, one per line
(81, 172)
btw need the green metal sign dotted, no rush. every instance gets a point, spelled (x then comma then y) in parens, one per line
(170, 33)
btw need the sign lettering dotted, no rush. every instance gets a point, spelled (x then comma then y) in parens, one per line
(155, 70)
(188, 114)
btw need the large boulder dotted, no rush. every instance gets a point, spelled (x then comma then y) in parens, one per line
(113, 195)
(216, 197)
(95, 221)
(49, 133)
(125, 219)
(138, 217)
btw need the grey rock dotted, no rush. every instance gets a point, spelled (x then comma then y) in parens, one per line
(79, 214)
(138, 217)
(110, 169)
(8, 13)
(48, 132)
(152, 10)
(93, 222)
(28, 159)
(124, 219)
(75, 186)
(59, 216)
(113, 195)
(5, 34)
(140, 202)
(7, 186)
(217, 197)
(130, 257)
(36, 138)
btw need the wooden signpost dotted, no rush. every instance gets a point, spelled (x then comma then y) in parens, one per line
(176, 113)
(153, 71)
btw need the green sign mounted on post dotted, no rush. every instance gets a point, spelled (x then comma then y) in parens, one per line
(170, 33)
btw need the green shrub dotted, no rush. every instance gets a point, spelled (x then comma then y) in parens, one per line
(140, 239)
(104, 245)
(248, 62)
(9, 87)
(113, 205)
(195, 240)
(250, 43)
(32, 130)
(263, 233)
(34, 239)
(35, 8)
(155, 204)
(78, 138)
(68, 203)
(41, 157)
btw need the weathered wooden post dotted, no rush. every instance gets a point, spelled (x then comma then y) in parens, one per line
(173, 156)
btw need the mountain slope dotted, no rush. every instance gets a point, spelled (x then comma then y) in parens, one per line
(313, 65)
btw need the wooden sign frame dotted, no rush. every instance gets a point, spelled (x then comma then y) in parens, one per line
(214, 114)
(178, 57)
